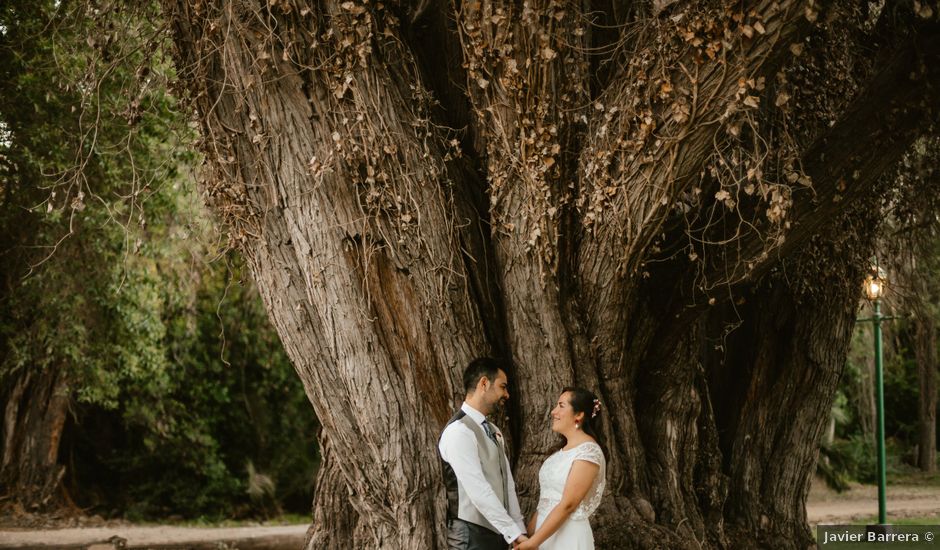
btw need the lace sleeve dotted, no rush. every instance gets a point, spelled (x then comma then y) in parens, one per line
(590, 452)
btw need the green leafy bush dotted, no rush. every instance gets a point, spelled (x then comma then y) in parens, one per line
(177, 381)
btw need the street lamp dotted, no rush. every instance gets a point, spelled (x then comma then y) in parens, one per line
(875, 284)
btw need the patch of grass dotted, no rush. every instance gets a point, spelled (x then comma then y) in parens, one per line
(914, 477)
(930, 520)
(295, 519)
(285, 519)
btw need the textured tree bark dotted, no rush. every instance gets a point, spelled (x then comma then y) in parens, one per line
(334, 518)
(34, 417)
(417, 185)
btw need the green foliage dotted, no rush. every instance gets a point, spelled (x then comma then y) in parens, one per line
(854, 459)
(87, 192)
(178, 380)
(852, 456)
(901, 398)
(233, 399)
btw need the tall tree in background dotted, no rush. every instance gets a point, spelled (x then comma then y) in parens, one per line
(914, 247)
(927, 363)
(668, 202)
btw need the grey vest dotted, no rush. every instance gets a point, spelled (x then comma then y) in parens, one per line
(493, 464)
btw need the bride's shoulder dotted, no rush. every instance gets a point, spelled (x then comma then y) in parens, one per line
(590, 450)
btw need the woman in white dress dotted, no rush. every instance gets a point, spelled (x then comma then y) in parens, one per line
(571, 481)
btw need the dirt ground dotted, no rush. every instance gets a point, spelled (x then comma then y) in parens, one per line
(861, 502)
(823, 506)
(95, 538)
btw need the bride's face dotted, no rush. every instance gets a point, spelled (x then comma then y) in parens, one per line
(563, 416)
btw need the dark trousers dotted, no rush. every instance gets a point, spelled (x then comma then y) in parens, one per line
(463, 535)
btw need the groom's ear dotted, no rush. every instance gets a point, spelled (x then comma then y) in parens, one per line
(476, 386)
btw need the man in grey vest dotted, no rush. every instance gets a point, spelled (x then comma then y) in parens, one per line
(482, 507)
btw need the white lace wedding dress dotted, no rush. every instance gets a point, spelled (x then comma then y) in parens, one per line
(575, 533)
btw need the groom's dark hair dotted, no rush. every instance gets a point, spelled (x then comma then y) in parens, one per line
(480, 367)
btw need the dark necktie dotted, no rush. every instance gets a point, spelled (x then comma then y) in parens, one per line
(489, 432)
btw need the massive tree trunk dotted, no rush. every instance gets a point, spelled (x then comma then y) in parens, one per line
(34, 413)
(656, 202)
(783, 367)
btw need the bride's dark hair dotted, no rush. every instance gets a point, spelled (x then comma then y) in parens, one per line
(584, 401)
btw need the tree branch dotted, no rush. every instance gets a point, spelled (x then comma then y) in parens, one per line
(844, 163)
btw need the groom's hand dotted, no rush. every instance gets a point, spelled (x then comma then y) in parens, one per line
(519, 540)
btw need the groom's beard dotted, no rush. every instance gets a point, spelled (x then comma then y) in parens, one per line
(499, 410)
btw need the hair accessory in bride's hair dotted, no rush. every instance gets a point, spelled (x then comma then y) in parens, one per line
(597, 408)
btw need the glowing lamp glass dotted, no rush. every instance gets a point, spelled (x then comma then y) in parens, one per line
(874, 287)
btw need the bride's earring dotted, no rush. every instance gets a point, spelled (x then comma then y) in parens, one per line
(577, 426)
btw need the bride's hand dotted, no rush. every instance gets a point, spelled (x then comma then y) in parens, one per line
(526, 545)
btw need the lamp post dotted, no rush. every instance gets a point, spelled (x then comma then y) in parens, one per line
(874, 288)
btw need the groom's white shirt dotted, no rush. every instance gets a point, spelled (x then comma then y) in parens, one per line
(458, 447)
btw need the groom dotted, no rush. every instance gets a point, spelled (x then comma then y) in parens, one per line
(482, 508)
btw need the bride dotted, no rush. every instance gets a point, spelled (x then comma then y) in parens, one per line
(571, 481)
